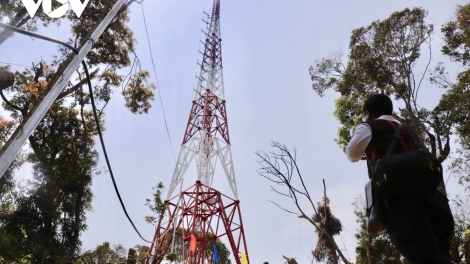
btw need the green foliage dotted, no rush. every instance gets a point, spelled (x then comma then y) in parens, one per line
(7, 240)
(51, 210)
(373, 248)
(456, 32)
(104, 254)
(457, 96)
(19, 260)
(461, 212)
(172, 257)
(327, 73)
(158, 207)
(349, 112)
(116, 42)
(138, 93)
(387, 50)
(382, 58)
(466, 234)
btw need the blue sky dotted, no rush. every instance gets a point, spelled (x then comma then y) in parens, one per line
(267, 48)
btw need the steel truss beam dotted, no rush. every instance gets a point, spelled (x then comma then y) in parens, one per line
(208, 215)
(207, 120)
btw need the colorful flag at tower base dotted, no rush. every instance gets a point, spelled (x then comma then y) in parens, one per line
(244, 259)
(216, 255)
(192, 244)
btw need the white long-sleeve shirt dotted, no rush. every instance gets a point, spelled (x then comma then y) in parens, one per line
(361, 138)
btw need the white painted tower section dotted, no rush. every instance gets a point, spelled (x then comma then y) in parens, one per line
(206, 138)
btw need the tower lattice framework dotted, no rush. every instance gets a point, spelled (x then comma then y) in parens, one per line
(198, 216)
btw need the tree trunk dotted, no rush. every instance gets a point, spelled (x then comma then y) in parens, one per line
(369, 250)
(7, 78)
(467, 249)
(132, 256)
(142, 254)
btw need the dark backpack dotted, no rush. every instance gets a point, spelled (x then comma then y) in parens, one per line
(407, 172)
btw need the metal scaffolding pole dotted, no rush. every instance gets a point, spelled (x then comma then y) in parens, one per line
(26, 128)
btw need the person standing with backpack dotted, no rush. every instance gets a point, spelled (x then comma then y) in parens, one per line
(419, 223)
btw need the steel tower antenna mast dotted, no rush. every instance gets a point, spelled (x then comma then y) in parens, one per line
(206, 137)
(211, 76)
(200, 216)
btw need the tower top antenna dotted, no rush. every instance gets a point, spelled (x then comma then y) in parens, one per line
(216, 9)
(211, 76)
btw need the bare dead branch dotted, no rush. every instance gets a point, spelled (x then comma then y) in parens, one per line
(282, 207)
(278, 192)
(324, 200)
(76, 86)
(38, 71)
(280, 168)
(8, 102)
(432, 138)
(445, 152)
(302, 181)
(273, 169)
(425, 70)
(311, 259)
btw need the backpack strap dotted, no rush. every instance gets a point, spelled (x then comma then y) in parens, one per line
(395, 137)
(414, 137)
(390, 147)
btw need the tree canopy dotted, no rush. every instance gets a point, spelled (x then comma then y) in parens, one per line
(373, 248)
(104, 254)
(51, 209)
(387, 57)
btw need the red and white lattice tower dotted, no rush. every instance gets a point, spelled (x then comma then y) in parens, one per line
(200, 215)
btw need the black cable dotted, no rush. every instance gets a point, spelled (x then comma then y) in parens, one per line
(37, 36)
(105, 154)
(158, 85)
(9, 63)
(94, 112)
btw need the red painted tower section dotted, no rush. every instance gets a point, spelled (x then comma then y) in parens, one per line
(206, 214)
(200, 215)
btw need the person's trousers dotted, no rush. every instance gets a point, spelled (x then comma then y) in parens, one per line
(421, 228)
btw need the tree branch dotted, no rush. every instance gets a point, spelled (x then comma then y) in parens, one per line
(425, 70)
(325, 203)
(282, 207)
(272, 167)
(272, 188)
(432, 138)
(76, 86)
(8, 102)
